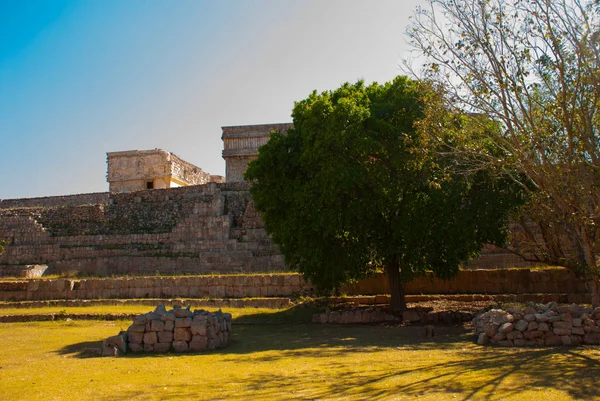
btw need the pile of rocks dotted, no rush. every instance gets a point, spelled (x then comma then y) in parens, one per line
(179, 329)
(538, 325)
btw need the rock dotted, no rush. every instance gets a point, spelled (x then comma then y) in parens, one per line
(135, 337)
(139, 328)
(157, 325)
(182, 313)
(519, 342)
(136, 347)
(576, 340)
(540, 317)
(110, 349)
(162, 347)
(140, 320)
(183, 322)
(521, 325)
(578, 331)
(513, 335)
(562, 325)
(180, 346)
(119, 341)
(505, 343)
(530, 335)
(169, 325)
(182, 334)
(483, 339)
(168, 317)
(553, 340)
(499, 337)
(533, 325)
(506, 327)
(199, 328)
(576, 322)
(529, 317)
(543, 327)
(160, 310)
(566, 317)
(566, 340)
(198, 343)
(150, 338)
(148, 347)
(561, 332)
(165, 336)
(591, 338)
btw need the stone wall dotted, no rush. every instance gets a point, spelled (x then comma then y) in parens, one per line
(187, 230)
(180, 330)
(553, 281)
(538, 325)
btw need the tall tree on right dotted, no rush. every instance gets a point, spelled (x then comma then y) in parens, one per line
(533, 66)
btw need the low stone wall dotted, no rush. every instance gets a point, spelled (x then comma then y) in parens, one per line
(55, 201)
(560, 285)
(538, 325)
(377, 315)
(179, 330)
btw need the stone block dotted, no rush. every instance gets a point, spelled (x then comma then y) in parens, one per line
(157, 325)
(119, 341)
(183, 322)
(150, 338)
(521, 325)
(562, 325)
(135, 337)
(506, 327)
(182, 334)
(198, 343)
(162, 347)
(498, 337)
(180, 346)
(553, 340)
(562, 332)
(136, 347)
(533, 325)
(148, 347)
(591, 338)
(165, 336)
(566, 340)
(513, 335)
(543, 326)
(169, 325)
(576, 322)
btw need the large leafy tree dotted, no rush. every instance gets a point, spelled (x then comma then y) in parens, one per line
(356, 187)
(533, 66)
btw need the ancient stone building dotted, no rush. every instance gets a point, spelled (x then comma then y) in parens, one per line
(240, 146)
(136, 170)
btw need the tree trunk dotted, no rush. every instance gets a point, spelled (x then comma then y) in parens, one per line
(594, 288)
(396, 285)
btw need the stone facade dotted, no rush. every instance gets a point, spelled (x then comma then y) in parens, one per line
(240, 146)
(196, 229)
(136, 170)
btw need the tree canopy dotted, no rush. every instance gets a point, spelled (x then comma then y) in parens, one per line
(355, 187)
(533, 66)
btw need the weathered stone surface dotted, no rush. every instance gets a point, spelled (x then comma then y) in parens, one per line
(162, 347)
(499, 337)
(136, 347)
(566, 340)
(135, 337)
(521, 325)
(119, 341)
(543, 326)
(562, 325)
(150, 337)
(530, 317)
(578, 331)
(183, 322)
(506, 327)
(180, 346)
(533, 325)
(157, 325)
(199, 328)
(169, 325)
(513, 335)
(148, 347)
(140, 328)
(182, 334)
(562, 332)
(165, 336)
(591, 338)
(553, 340)
(483, 339)
(198, 343)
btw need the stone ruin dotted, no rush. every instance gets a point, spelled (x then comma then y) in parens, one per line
(178, 330)
(538, 325)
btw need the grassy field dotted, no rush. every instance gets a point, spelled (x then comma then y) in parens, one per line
(290, 361)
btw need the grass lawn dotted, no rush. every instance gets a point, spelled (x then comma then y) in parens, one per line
(48, 361)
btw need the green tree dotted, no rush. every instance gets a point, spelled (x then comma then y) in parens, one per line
(533, 66)
(356, 187)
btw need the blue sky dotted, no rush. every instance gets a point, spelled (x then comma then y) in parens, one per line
(82, 78)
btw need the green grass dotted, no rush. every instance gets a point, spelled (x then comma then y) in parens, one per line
(49, 361)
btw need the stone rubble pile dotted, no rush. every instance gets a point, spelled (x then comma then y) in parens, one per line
(179, 330)
(538, 325)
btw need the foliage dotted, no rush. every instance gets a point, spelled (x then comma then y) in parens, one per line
(533, 66)
(356, 187)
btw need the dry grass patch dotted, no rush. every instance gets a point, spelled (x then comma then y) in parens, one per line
(48, 360)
